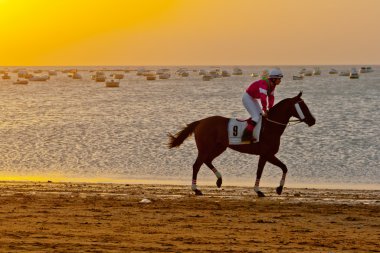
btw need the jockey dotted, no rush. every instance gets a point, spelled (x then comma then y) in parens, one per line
(261, 90)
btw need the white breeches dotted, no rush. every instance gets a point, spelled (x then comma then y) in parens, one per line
(253, 106)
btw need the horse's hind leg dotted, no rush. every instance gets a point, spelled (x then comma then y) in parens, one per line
(259, 172)
(196, 166)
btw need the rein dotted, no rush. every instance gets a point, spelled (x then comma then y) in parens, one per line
(297, 121)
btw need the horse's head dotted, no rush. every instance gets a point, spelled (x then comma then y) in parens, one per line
(301, 111)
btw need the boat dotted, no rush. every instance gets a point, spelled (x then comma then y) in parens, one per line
(118, 76)
(333, 71)
(202, 72)
(22, 73)
(298, 77)
(225, 73)
(354, 74)
(317, 72)
(6, 76)
(21, 82)
(308, 73)
(52, 73)
(112, 84)
(365, 70)
(184, 74)
(164, 76)
(39, 78)
(150, 77)
(237, 71)
(344, 73)
(100, 78)
(254, 74)
(206, 77)
(162, 71)
(77, 76)
(215, 73)
(302, 71)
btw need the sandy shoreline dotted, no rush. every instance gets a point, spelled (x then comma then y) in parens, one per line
(78, 217)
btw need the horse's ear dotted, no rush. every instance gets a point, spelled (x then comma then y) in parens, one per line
(299, 94)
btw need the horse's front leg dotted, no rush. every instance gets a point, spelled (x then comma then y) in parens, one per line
(259, 172)
(275, 161)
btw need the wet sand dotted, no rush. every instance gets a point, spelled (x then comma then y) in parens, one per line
(71, 217)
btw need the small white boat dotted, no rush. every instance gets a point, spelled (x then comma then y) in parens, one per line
(316, 72)
(39, 78)
(333, 71)
(254, 74)
(237, 71)
(112, 84)
(21, 82)
(354, 74)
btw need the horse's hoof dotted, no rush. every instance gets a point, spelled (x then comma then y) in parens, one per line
(260, 194)
(279, 190)
(198, 192)
(219, 182)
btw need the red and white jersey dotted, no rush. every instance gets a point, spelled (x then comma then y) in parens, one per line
(261, 90)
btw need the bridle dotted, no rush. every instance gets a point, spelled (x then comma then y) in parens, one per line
(295, 121)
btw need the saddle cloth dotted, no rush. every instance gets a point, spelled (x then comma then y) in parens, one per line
(236, 128)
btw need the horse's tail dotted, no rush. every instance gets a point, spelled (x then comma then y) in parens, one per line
(177, 139)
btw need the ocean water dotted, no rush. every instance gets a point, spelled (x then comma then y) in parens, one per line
(79, 130)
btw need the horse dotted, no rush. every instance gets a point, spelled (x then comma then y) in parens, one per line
(211, 138)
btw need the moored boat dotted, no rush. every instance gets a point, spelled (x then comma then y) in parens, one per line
(354, 74)
(18, 81)
(112, 84)
(298, 77)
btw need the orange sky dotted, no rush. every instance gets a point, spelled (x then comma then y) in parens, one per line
(189, 32)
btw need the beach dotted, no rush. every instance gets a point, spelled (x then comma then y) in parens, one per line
(94, 217)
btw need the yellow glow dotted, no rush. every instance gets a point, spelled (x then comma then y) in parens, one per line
(171, 32)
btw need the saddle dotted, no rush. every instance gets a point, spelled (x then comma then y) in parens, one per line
(236, 128)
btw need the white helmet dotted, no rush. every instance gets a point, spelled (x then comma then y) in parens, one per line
(276, 73)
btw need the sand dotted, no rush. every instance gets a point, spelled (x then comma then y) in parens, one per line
(68, 217)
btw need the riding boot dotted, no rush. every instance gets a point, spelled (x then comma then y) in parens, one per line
(248, 131)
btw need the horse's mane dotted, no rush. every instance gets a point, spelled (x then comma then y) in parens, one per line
(279, 105)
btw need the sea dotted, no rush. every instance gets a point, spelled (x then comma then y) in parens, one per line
(79, 130)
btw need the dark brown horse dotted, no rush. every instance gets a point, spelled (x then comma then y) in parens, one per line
(211, 138)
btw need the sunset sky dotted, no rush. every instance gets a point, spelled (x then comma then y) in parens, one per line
(189, 32)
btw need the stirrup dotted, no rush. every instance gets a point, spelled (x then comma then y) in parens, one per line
(247, 136)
